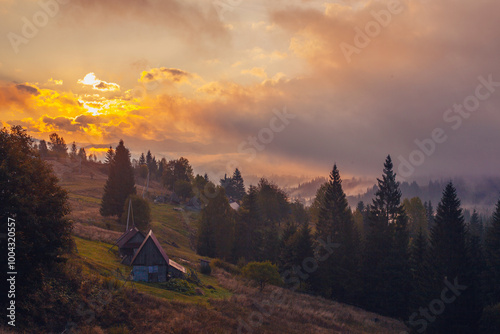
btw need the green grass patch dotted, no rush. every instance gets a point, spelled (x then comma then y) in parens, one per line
(97, 259)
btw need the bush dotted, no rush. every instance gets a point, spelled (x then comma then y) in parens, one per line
(230, 268)
(262, 273)
(180, 286)
(241, 262)
(192, 277)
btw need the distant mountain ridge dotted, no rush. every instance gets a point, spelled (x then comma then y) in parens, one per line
(481, 193)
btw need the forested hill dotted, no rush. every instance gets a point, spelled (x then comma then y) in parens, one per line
(480, 193)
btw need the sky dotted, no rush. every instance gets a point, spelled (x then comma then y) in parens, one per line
(271, 87)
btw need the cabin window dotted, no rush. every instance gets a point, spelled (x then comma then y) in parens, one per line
(153, 269)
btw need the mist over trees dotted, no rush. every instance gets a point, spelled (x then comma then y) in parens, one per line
(234, 186)
(475, 192)
(392, 256)
(395, 252)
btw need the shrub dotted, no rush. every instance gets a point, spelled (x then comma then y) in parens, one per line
(262, 273)
(241, 262)
(180, 286)
(230, 268)
(192, 277)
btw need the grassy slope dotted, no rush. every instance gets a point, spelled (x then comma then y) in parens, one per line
(231, 299)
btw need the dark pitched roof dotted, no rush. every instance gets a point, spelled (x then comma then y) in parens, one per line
(157, 244)
(125, 237)
(125, 234)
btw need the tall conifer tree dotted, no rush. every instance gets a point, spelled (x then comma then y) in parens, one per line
(492, 246)
(120, 183)
(452, 261)
(386, 258)
(338, 276)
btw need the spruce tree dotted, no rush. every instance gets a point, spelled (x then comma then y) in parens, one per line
(237, 186)
(249, 229)
(42, 149)
(419, 267)
(82, 154)
(270, 249)
(429, 210)
(120, 183)
(451, 262)
(142, 160)
(153, 167)
(297, 245)
(286, 253)
(492, 246)
(338, 276)
(74, 151)
(386, 258)
(475, 225)
(109, 156)
(161, 167)
(216, 232)
(272, 203)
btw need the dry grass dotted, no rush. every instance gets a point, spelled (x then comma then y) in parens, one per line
(131, 311)
(95, 233)
(293, 312)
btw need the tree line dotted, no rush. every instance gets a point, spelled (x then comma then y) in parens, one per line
(394, 257)
(56, 147)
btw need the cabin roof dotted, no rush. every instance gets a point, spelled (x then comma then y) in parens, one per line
(125, 237)
(157, 244)
(176, 266)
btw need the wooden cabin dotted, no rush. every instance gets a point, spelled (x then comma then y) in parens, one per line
(150, 263)
(128, 244)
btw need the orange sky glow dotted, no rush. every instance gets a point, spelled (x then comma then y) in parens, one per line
(271, 87)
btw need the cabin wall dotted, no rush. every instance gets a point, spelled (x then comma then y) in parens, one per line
(150, 273)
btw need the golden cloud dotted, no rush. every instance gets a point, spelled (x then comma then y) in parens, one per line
(163, 74)
(256, 71)
(91, 80)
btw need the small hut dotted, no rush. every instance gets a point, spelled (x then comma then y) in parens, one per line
(128, 244)
(150, 263)
(205, 267)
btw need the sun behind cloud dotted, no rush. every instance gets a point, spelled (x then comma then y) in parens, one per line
(91, 80)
